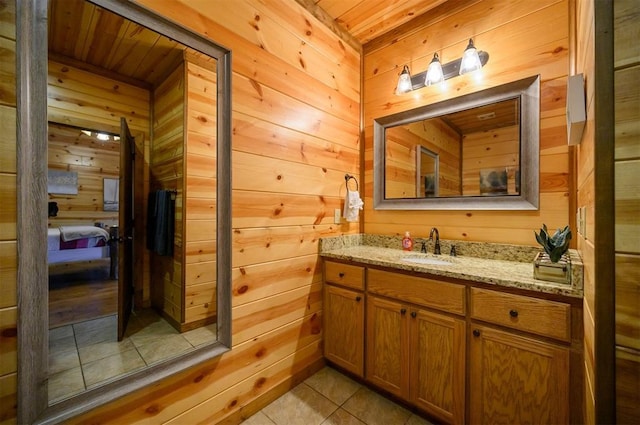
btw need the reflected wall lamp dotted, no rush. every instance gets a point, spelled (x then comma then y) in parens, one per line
(471, 60)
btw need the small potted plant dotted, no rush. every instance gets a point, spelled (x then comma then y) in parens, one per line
(553, 264)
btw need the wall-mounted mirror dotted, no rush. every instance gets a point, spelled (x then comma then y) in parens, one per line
(478, 151)
(74, 352)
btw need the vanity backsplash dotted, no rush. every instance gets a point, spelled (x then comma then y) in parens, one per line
(488, 251)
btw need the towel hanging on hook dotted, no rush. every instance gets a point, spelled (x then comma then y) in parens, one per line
(352, 202)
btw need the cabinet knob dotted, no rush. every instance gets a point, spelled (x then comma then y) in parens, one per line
(476, 332)
(414, 314)
(341, 275)
(513, 313)
(358, 298)
(403, 310)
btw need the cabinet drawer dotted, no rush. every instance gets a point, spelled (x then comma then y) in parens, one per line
(427, 292)
(344, 274)
(542, 317)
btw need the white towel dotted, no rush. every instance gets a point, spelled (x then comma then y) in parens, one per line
(352, 205)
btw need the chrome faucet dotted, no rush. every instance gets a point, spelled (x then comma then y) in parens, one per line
(436, 247)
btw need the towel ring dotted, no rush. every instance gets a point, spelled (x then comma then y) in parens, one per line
(348, 177)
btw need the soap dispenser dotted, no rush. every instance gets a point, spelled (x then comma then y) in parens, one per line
(407, 242)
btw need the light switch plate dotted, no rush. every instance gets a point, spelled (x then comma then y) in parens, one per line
(336, 216)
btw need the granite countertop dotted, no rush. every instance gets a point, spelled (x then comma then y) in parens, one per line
(497, 264)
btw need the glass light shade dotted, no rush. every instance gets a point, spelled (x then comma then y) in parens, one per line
(404, 81)
(434, 72)
(470, 60)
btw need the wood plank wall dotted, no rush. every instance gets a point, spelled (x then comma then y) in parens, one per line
(523, 38)
(84, 99)
(8, 200)
(400, 149)
(71, 150)
(627, 202)
(584, 58)
(296, 91)
(490, 149)
(167, 173)
(200, 195)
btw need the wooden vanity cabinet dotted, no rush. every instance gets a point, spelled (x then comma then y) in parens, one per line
(516, 377)
(413, 352)
(344, 316)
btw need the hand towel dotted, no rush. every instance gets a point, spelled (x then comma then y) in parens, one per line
(352, 205)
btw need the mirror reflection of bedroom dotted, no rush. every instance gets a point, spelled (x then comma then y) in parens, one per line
(131, 271)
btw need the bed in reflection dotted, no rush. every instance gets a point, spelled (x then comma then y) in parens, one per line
(69, 244)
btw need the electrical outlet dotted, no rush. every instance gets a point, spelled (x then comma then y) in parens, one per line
(337, 218)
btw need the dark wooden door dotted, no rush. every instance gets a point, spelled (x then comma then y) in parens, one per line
(125, 216)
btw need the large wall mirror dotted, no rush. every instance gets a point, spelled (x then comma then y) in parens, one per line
(104, 96)
(478, 151)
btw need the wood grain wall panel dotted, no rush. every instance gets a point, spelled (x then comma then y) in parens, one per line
(288, 34)
(523, 39)
(627, 204)
(626, 113)
(628, 301)
(254, 282)
(253, 319)
(266, 209)
(167, 173)
(263, 102)
(8, 398)
(8, 200)
(9, 347)
(262, 245)
(8, 271)
(627, 386)
(627, 198)
(201, 213)
(253, 135)
(7, 71)
(8, 139)
(93, 162)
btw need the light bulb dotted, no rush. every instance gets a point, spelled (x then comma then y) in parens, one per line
(470, 60)
(404, 81)
(434, 72)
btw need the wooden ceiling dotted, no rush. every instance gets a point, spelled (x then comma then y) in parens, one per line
(368, 19)
(89, 37)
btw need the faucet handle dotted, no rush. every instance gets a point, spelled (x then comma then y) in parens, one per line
(423, 247)
(453, 251)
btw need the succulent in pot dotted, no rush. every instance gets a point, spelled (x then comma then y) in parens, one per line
(555, 245)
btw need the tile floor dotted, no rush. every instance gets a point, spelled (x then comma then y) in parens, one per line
(331, 398)
(87, 354)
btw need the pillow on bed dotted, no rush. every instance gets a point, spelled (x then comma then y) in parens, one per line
(70, 233)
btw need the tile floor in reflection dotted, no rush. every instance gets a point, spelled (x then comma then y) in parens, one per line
(88, 354)
(331, 398)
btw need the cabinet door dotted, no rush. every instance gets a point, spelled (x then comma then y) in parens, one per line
(344, 328)
(515, 379)
(438, 365)
(387, 345)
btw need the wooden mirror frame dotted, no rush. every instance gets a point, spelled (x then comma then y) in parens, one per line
(31, 88)
(528, 91)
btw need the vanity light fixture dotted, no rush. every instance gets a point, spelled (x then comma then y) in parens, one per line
(471, 60)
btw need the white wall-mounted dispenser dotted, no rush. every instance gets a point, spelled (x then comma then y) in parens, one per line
(576, 109)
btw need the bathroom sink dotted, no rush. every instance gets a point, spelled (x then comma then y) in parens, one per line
(416, 259)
